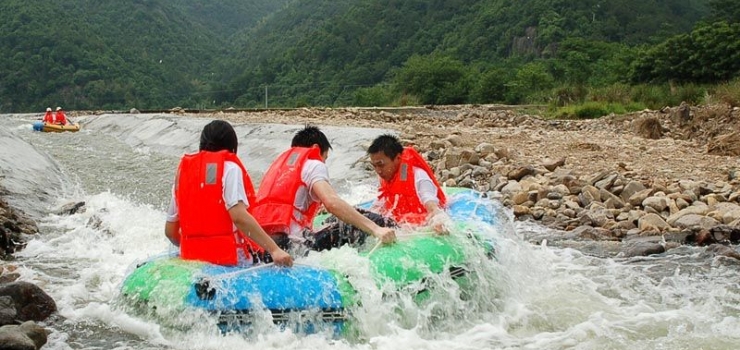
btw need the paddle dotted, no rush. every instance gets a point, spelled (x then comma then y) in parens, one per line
(70, 121)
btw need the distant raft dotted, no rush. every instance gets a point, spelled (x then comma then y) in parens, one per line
(310, 298)
(49, 127)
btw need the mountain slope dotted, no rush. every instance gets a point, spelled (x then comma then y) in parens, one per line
(87, 54)
(315, 47)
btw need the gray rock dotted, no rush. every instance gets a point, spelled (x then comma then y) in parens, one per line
(519, 173)
(610, 200)
(637, 198)
(511, 187)
(699, 209)
(722, 250)
(480, 171)
(681, 115)
(652, 222)
(657, 203)
(631, 188)
(485, 149)
(694, 220)
(586, 232)
(644, 249)
(70, 208)
(8, 314)
(469, 157)
(681, 203)
(551, 164)
(31, 302)
(455, 140)
(607, 182)
(588, 195)
(26, 336)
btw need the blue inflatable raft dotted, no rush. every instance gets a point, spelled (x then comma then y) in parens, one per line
(306, 298)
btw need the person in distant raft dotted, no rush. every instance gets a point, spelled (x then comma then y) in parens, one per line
(49, 116)
(294, 187)
(60, 117)
(208, 217)
(409, 191)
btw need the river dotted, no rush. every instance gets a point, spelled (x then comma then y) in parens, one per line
(577, 295)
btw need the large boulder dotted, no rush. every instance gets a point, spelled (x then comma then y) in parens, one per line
(26, 336)
(23, 301)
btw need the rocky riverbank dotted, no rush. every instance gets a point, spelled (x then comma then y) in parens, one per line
(672, 174)
(21, 303)
(663, 178)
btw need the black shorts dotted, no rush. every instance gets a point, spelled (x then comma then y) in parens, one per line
(335, 234)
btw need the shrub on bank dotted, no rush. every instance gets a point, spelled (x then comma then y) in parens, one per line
(593, 109)
(728, 93)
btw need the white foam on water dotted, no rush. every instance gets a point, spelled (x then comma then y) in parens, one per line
(537, 297)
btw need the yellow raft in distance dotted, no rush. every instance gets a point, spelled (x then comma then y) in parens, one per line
(48, 127)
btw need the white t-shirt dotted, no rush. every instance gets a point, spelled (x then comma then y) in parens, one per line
(313, 172)
(233, 191)
(425, 188)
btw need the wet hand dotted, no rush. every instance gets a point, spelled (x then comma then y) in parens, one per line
(440, 223)
(386, 235)
(281, 258)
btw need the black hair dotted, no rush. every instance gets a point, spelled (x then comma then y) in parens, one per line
(309, 136)
(388, 144)
(218, 135)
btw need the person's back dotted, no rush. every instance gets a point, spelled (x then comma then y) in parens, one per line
(60, 117)
(208, 216)
(284, 202)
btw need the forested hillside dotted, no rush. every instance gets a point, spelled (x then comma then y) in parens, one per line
(89, 54)
(149, 54)
(226, 17)
(321, 52)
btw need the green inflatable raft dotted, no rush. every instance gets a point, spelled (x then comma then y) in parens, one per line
(310, 298)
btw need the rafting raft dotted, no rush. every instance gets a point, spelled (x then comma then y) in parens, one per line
(304, 297)
(50, 127)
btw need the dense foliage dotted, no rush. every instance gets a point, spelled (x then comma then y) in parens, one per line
(90, 54)
(87, 54)
(708, 54)
(377, 52)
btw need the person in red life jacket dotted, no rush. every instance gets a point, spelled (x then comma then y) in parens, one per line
(294, 187)
(49, 116)
(208, 217)
(409, 191)
(60, 118)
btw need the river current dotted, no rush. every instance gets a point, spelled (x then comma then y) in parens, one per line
(569, 296)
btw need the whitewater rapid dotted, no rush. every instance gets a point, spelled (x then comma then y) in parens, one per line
(542, 297)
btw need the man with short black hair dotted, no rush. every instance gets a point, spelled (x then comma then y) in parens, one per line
(409, 191)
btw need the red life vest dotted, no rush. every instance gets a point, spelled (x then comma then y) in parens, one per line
(60, 118)
(48, 117)
(401, 199)
(207, 231)
(275, 206)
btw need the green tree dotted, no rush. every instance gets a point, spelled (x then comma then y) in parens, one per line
(530, 80)
(725, 10)
(709, 54)
(433, 79)
(491, 85)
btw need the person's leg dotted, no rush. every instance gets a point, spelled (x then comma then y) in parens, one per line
(380, 220)
(324, 239)
(281, 239)
(338, 233)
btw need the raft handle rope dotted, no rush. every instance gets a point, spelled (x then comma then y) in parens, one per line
(251, 269)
